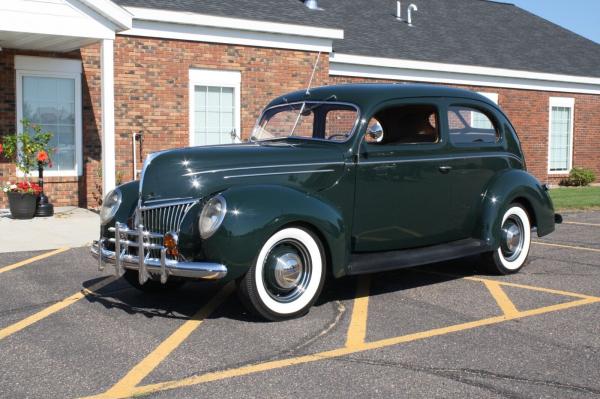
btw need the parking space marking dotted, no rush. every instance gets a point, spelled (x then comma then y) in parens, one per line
(358, 323)
(566, 246)
(124, 387)
(32, 259)
(42, 314)
(583, 224)
(278, 364)
(357, 331)
(504, 302)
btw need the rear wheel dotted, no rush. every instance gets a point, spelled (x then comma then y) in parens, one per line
(131, 276)
(515, 240)
(287, 277)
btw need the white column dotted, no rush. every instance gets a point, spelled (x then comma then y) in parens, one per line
(107, 90)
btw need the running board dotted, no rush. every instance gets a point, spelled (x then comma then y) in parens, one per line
(369, 262)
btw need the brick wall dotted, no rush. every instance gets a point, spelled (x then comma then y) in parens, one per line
(151, 96)
(528, 111)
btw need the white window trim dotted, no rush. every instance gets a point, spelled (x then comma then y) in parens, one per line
(567, 102)
(54, 68)
(210, 77)
(493, 97)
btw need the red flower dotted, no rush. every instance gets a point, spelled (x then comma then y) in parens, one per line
(43, 157)
(1, 148)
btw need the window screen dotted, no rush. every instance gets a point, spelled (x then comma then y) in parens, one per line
(470, 126)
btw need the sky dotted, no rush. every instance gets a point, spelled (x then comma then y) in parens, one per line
(579, 16)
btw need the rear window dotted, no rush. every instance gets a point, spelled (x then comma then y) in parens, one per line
(468, 125)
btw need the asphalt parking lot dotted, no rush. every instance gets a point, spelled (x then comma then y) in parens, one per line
(444, 330)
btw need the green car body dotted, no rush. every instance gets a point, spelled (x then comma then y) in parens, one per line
(355, 197)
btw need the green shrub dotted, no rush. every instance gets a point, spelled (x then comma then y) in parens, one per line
(580, 177)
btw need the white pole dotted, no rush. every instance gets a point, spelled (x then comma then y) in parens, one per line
(107, 93)
(399, 11)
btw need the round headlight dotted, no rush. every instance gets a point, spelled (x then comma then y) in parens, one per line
(110, 205)
(212, 216)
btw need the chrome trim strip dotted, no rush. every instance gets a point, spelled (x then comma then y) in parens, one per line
(182, 199)
(405, 160)
(168, 203)
(263, 167)
(281, 173)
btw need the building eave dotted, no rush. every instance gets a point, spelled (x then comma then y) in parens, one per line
(422, 71)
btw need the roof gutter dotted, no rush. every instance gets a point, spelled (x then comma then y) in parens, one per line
(434, 72)
(116, 14)
(194, 19)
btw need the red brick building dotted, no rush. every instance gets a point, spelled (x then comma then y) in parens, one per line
(99, 73)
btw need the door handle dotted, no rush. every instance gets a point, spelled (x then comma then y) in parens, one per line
(445, 169)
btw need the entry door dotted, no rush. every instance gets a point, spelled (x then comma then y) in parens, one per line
(214, 115)
(214, 107)
(402, 196)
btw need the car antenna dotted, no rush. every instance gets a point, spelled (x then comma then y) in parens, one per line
(313, 74)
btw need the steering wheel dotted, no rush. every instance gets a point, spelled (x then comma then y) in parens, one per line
(344, 135)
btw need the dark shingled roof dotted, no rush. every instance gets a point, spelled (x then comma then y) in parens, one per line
(468, 32)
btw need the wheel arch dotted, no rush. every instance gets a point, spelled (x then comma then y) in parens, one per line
(508, 187)
(261, 211)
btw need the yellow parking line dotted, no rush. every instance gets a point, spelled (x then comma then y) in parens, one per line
(566, 246)
(34, 318)
(504, 302)
(277, 364)
(124, 387)
(535, 288)
(358, 322)
(583, 224)
(33, 259)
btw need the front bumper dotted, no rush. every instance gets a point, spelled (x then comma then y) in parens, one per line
(143, 262)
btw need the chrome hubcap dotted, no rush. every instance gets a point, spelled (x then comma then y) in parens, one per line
(286, 270)
(513, 238)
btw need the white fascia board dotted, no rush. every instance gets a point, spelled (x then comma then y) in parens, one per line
(111, 11)
(189, 18)
(196, 33)
(433, 72)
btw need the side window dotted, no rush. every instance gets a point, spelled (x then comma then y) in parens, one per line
(468, 125)
(339, 124)
(405, 124)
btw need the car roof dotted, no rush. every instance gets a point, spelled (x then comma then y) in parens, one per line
(368, 94)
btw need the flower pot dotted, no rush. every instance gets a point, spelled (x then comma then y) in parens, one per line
(22, 206)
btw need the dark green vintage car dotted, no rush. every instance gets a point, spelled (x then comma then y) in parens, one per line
(341, 180)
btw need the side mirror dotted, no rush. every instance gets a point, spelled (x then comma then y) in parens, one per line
(375, 132)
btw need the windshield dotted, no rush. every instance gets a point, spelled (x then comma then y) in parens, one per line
(308, 120)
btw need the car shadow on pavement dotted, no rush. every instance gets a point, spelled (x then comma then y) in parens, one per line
(184, 302)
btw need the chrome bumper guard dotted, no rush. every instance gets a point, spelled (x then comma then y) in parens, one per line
(143, 263)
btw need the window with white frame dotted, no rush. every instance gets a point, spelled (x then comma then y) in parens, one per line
(214, 107)
(478, 119)
(560, 146)
(49, 95)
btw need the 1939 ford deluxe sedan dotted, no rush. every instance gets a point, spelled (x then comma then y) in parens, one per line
(338, 180)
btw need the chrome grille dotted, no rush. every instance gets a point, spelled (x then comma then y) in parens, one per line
(162, 219)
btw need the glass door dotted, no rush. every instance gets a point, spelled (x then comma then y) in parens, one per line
(214, 115)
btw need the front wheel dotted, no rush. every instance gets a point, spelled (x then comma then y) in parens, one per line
(287, 277)
(515, 240)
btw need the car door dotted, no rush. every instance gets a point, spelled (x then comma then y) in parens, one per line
(401, 195)
(476, 153)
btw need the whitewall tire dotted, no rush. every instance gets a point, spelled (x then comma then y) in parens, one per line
(515, 241)
(287, 277)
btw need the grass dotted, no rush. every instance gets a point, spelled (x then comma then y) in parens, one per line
(576, 197)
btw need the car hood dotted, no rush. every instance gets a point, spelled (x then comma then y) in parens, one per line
(195, 172)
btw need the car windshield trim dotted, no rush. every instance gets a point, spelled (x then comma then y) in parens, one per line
(312, 104)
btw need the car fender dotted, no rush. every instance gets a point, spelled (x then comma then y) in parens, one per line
(505, 188)
(256, 212)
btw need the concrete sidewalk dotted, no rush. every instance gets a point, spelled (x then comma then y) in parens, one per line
(69, 227)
